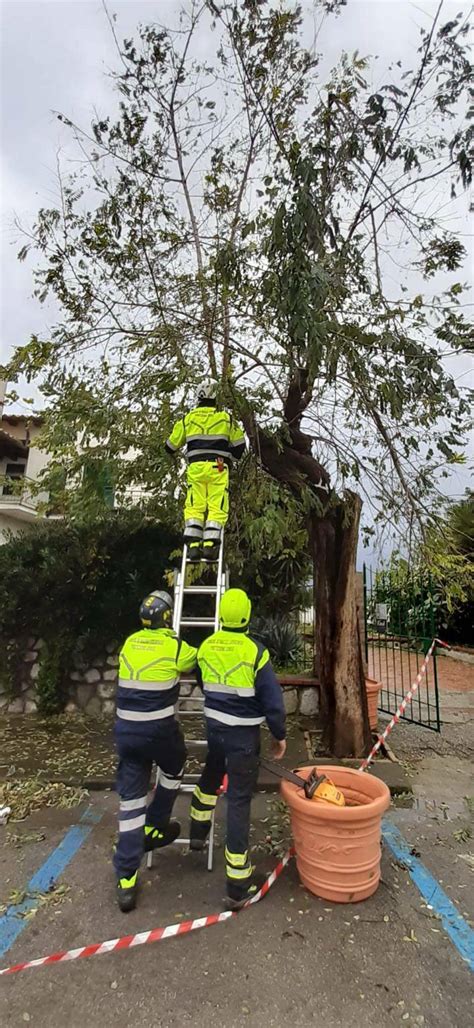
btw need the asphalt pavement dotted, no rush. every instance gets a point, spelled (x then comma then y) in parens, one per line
(290, 960)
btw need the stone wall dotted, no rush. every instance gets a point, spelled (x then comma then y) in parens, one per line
(91, 688)
(24, 702)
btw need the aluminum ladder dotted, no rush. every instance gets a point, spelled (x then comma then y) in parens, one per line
(212, 623)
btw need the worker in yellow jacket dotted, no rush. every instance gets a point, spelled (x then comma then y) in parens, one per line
(146, 731)
(212, 440)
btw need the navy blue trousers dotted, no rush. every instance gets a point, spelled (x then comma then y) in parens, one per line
(233, 751)
(164, 745)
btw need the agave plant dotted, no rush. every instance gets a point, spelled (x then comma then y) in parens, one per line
(281, 639)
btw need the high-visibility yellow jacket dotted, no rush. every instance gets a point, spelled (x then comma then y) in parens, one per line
(150, 664)
(207, 434)
(239, 684)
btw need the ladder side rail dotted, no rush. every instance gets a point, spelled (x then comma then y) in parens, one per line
(219, 582)
(179, 592)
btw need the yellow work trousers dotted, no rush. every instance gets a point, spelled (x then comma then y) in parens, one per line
(207, 501)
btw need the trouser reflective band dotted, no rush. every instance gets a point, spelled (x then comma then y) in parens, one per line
(236, 859)
(212, 532)
(238, 866)
(239, 873)
(167, 782)
(205, 798)
(193, 529)
(203, 804)
(132, 823)
(138, 804)
(200, 815)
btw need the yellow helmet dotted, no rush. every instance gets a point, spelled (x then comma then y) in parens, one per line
(235, 609)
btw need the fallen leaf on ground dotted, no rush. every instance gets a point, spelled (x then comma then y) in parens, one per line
(462, 835)
(30, 794)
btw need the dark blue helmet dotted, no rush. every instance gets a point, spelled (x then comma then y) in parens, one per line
(155, 611)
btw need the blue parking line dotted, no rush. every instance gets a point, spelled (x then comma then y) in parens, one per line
(12, 923)
(454, 925)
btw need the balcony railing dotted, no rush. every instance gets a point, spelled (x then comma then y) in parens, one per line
(19, 497)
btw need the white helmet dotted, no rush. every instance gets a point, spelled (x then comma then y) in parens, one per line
(207, 390)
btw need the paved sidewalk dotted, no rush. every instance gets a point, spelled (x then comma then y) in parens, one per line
(293, 959)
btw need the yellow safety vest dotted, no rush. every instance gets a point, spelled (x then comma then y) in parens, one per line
(208, 434)
(229, 663)
(150, 664)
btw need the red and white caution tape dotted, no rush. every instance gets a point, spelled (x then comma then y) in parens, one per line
(401, 710)
(141, 938)
(171, 930)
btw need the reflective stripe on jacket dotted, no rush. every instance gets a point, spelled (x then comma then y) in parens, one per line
(208, 434)
(240, 687)
(150, 664)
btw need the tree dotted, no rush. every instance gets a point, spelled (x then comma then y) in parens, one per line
(77, 586)
(238, 218)
(434, 591)
(450, 560)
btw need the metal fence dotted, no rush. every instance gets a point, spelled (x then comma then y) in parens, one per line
(400, 623)
(305, 627)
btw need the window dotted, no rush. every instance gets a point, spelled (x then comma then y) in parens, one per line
(14, 472)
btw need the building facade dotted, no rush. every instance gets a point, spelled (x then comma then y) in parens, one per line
(21, 464)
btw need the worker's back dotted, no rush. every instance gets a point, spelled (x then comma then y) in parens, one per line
(229, 662)
(150, 663)
(208, 434)
(240, 691)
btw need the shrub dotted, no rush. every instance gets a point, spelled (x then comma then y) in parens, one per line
(78, 586)
(281, 639)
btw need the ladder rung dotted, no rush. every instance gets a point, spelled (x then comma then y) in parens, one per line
(197, 622)
(186, 842)
(205, 589)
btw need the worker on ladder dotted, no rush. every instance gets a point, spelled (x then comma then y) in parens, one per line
(241, 691)
(213, 440)
(145, 732)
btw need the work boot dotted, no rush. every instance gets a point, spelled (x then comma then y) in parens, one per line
(239, 893)
(194, 553)
(156, 838)
(127, 889)
(210, 553)
(198, 835)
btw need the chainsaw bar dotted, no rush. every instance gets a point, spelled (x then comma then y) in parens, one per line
(309, 785)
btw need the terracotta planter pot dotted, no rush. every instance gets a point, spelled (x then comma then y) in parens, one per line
(338, 848)
(373, 688)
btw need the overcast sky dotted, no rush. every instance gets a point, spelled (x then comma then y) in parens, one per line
(56, 55)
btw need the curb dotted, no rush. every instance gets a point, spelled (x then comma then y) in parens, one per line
(392, 774)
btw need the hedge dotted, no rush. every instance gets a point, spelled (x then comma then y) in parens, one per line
(77, 586)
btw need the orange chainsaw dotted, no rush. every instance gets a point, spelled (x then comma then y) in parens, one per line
(317, 787)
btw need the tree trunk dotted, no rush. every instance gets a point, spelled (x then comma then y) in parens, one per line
(333, 534)
(340, 666)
